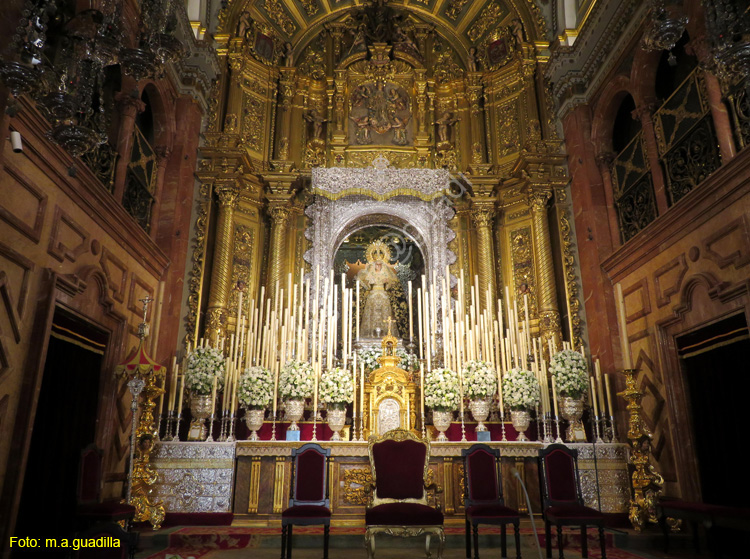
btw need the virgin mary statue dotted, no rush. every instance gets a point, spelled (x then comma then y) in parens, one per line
(375, 277)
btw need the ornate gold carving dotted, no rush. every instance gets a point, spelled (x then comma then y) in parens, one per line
(253, 120)
(508, 139)
(522, 258)
(571, 279)
(279, 16)
(546, 292)
(254, 495)
(357, 483)
(311, 6)
(646, 481)
(483, 218)
(241, 262)
(455, 8)
(491, 14)
(198, 260)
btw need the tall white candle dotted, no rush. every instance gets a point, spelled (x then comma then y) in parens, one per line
(627, 359)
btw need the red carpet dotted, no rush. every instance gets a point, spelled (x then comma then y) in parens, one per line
(197, 541)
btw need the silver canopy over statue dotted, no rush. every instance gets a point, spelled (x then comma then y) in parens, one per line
(376, 276)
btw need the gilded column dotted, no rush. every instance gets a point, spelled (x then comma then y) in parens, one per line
(549, 315)
(221, 274)
(474, 94)
(279, 221)
(483, 217)
(284, 115)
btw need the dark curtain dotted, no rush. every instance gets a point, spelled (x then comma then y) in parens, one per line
(719, 382)
(64, 424)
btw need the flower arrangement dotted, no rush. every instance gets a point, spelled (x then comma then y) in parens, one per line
(369, 357)
(336, 387)
(296, 381)
(203, 365)
(520, 389)
(480, 380)
(441, 390)
(255, 388)
(568, 368)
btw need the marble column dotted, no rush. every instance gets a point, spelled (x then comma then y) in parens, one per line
(645, 114)
(483, 216)
(128, 107)
(221, 274)
(604, 162)
(546, 293)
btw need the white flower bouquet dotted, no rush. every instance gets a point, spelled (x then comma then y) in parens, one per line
(480, 380)
(255, 388)
(203, 365)
(369, 357)
(568, 368)
(520, 389)
(296, 381)
(336, 387)
(441, 390)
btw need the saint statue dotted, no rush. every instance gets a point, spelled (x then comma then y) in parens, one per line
(375, 277)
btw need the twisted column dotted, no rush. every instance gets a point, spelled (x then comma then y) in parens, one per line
(279, 222)
(546, 294)
(482, 218)
(221, 273)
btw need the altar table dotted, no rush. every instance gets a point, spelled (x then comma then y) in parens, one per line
(252, 479)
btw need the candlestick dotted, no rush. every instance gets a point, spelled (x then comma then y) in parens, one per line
(627, 359)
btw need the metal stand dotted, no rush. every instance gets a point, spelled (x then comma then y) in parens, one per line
(557, 425)
(210, 437)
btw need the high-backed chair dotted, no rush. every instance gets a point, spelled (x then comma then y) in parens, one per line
(91, 510)
(308, 501)
(483, 498)
(398, 496)
(562, 499)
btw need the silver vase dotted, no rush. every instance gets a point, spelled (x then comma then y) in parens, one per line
(572, 411)
(520, 419)
(336, 421)
(200, 410)
(442, 421)
(254, 421)
(480, 409)
(293, 412)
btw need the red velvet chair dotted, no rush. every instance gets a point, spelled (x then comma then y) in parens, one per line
(398, 495)
(309, 503)
(91, 510)
(483, 498)
(562, 499)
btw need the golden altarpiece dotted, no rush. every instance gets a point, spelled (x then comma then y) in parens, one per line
(334, 118)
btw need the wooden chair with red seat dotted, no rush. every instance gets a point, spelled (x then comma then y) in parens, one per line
(562, 499)
(398, 504)
(484, 498)
(309, 503)
(91, 510)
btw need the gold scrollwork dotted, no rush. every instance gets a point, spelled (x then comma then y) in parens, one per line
(357, 483)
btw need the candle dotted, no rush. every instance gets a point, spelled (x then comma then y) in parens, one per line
(554, 397)
(358, 311)
(354, 391)
(161, 396)
(421, 381)
(609, 395)
(627, 360)
(362, 390)
(213, 396)
(182, 392)
(593, 391)
(600, 395)
(411, 315)
(419, 322)
(315, 395)
(275, 393)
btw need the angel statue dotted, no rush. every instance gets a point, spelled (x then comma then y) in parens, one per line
(444, 123)
(375, 277)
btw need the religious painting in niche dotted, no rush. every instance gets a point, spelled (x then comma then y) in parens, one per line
(263, 46)
(380, 114)
(384, 260)
(497, 51)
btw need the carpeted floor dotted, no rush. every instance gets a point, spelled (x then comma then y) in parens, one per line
(234, 542)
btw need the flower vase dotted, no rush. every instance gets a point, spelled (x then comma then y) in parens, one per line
(293, 413)
(442, 421)
(480, 409)
(254, 421)
(572, 411)
(520, 419)
(200, 410)
(336, 420)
